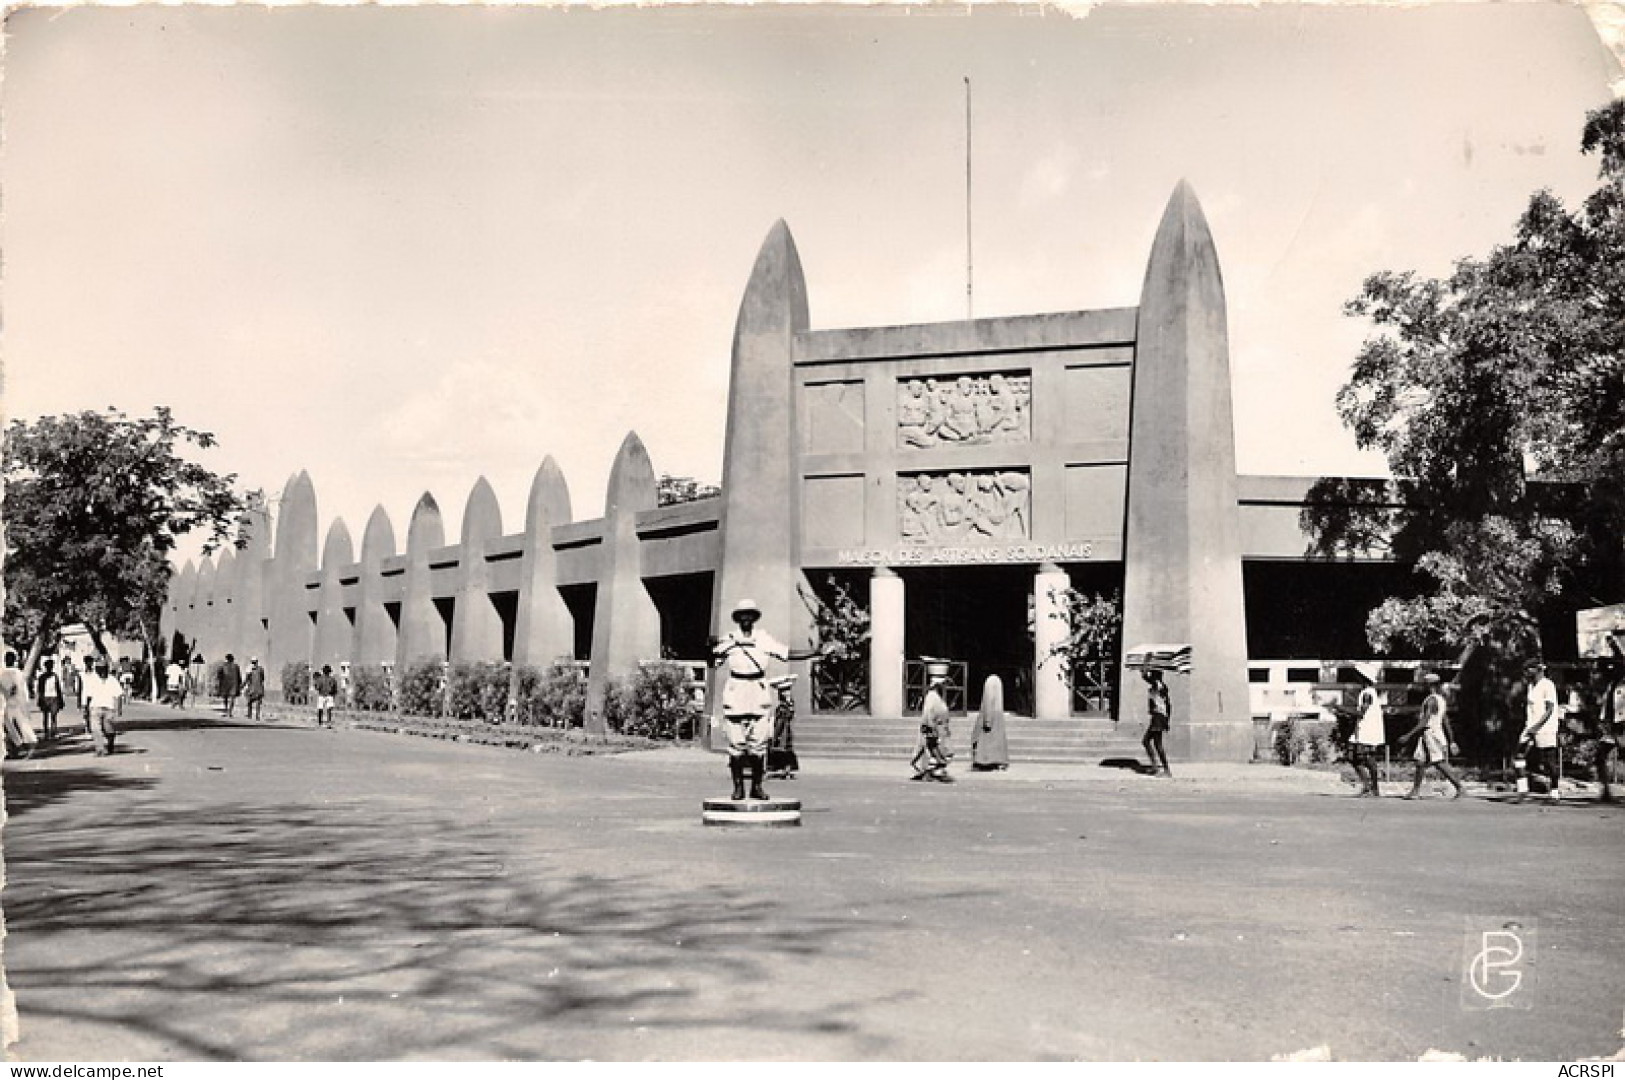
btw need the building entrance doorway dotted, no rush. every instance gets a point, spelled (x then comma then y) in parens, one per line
(977, 615)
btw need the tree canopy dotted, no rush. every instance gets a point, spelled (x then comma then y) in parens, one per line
(671, 490)
(1510, 368)
(94, 505)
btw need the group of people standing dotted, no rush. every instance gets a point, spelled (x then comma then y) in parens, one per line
(99, 690)
(990, 747)
(1434, 739)
(1537, 752)
(231, 683)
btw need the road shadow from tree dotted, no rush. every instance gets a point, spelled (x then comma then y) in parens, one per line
(30, 789)
(344, 934)
(199, 723)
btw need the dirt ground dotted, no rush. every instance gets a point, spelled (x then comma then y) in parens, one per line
(244, 891)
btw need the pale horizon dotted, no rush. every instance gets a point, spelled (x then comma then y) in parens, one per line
(403, 248)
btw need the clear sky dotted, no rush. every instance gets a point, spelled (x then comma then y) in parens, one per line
(406, 247)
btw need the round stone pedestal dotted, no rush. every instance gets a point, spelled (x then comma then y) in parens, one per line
(756, 812)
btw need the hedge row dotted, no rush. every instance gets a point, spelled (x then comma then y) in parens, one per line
(655, 702)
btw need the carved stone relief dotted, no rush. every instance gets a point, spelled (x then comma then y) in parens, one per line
(939, 508)
(969, 410)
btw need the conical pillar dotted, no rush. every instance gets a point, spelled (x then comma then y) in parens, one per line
(626, 623)
(1182, 546)
(760, 521)
(476, 631)
(545, 630)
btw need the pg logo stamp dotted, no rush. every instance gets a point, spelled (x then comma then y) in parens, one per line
(1498, 963)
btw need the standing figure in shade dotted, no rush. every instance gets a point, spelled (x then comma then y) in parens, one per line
(1433, 747)
(1161, 714)
(782, 763)
(105, 693)
(48, 696)
(1370, 731)
(327, 693)
(194, 682)
(931, 753)
(1541, 719)
(254, 689)
(73, 687)
(989, 749)
(747, 698)
(1611, 718)
(231, 683)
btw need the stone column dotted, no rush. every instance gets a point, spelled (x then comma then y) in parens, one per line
(760, 520)
(422, 632)
(476, 629)
(203, 633)
(374, 630)
(1182, 541)
(224, 631)
(184, 590)
(290, 602)
(1052, 689)
(544, 630)
(335, 636)
(249, 598)
(886, 607)
(626, 623)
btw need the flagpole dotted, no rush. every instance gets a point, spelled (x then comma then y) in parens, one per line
(970, 308)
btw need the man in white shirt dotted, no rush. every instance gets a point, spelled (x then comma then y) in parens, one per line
(175, 683)
(1541, 719)
(105, 693)
(747, 699)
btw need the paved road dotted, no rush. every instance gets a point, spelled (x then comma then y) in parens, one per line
(227, 891)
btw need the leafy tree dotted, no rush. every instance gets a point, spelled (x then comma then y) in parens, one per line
(840, 633)
(670, 490)
(1512, 366)
(1094, 622)
(94, 505)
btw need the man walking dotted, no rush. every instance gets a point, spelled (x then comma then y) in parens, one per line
(231, 683)
(1433, 747)
(72, 685)
(48, 694)
(1612, 718)
(104, 693)
(14, 697)
(1370, 732)
(327, 692)
(1540, 725)
(1161, 712)
(931, 753)
(254, 689)
(175, 683)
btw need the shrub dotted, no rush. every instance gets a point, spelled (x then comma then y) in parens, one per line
(653, 703)
(477, 691)
(553, 697)
(421, 688)
(369, 683)
(1303, 740)
(296, 682)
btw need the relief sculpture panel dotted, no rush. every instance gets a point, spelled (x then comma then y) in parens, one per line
(969, 410)
(969, 506)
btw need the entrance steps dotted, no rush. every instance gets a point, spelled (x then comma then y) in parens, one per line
(1080, 740)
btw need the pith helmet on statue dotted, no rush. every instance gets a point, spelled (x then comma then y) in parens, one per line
(746, 607)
